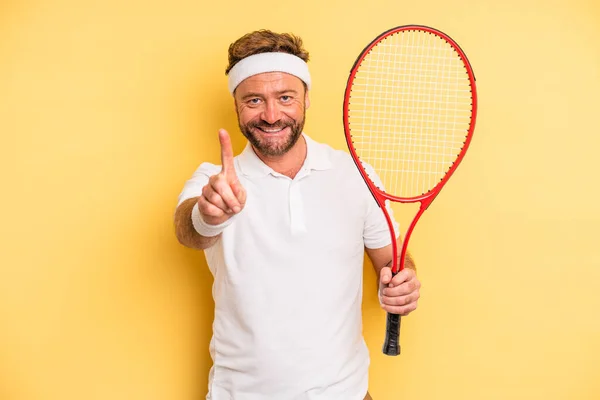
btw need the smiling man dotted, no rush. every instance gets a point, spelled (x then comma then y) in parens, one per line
(284, 226)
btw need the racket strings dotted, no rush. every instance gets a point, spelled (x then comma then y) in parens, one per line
(410, 111)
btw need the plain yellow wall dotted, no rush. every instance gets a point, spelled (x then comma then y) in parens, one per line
(107, 107)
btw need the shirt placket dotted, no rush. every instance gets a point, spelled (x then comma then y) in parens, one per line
(297, 215)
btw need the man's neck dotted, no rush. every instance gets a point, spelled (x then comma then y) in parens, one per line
(289, 163)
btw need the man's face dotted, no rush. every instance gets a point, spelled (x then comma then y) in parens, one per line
(271, 110)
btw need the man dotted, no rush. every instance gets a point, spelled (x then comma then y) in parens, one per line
(284, 226)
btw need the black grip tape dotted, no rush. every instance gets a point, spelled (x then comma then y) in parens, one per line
(391, 346)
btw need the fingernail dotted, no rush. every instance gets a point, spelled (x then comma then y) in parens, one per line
(236, 209)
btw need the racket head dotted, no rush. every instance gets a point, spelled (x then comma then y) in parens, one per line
(410, 107)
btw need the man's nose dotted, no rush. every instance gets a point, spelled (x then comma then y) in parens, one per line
(271, 112)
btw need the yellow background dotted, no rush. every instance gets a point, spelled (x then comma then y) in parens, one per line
(107, 107)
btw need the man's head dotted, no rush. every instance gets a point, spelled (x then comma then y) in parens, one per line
(269, 80)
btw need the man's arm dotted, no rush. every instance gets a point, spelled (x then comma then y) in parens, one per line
(184, 229)
(398, 294)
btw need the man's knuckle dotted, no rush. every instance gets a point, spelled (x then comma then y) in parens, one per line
(214, 198)
(218, 185)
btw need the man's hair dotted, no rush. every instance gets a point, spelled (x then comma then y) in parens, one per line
(265, 41)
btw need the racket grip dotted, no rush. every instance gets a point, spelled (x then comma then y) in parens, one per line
(391, 346)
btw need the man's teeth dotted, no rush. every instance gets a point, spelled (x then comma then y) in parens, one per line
(271, 130)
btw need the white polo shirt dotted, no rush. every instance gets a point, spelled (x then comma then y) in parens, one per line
(288, 280)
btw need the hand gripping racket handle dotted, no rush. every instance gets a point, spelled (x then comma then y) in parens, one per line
(391, 346)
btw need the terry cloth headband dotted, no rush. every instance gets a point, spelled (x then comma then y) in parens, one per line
(268, 62)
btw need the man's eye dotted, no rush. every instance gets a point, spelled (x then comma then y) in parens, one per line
(255, 100)
(285, 99)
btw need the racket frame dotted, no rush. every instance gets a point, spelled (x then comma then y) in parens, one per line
(425, 199)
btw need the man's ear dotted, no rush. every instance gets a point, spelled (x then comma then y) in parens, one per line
(306, 100)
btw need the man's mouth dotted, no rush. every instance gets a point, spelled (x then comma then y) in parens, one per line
(271, 130)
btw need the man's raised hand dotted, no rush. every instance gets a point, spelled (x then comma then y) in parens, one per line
(223, 196)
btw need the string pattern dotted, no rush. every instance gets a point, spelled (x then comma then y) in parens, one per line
(409, 111)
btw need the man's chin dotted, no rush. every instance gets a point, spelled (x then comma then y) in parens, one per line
(271, 149)
(272, 145)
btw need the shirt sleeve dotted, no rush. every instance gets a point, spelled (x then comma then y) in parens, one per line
(193, 186)
(376, 232)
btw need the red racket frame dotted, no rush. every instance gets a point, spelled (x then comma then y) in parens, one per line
(427, 198)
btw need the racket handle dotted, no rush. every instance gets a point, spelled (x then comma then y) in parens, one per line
(391, 346)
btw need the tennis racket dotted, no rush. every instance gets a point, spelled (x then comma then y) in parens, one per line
(409, 114)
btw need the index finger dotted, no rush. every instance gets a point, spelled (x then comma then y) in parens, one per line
(405, 287)
(226, 152)
(405, 275)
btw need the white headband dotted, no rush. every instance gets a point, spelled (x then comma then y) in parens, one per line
(268, 62)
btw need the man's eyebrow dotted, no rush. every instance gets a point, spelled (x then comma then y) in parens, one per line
(260, 95)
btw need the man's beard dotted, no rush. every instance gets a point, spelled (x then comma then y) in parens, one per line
(269, 148)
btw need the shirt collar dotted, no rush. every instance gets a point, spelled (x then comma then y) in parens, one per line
(317, 158)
